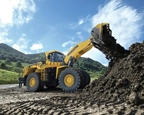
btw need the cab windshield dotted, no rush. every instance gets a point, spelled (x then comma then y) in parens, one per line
(56, 57)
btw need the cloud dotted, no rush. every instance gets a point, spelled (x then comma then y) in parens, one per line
(68, 42)
(125, 21)
(36, 46)
(78, 33)
(80, 22)
(3, 37)
(95, 54)
(83, 20)
(21, 44)
(14, 12)
(65, 52)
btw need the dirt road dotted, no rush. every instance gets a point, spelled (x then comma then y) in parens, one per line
(8, 86)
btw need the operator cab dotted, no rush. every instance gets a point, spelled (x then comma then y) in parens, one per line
(56, 57)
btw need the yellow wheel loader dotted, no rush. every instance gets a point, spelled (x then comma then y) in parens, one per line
(58, 68)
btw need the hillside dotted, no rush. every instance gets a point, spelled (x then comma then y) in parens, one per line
(90, 65)
(8, 77)
(14, 55)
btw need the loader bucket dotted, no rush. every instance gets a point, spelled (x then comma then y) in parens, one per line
(105, 42)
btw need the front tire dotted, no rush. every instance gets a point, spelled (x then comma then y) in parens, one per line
(33, 82)
(69, 80)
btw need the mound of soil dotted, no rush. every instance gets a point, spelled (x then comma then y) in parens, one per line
(120, 90)
(124, 80)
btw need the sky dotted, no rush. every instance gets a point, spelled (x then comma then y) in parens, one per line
(35, 26)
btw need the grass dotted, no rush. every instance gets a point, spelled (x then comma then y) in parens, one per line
(8, 77)
(92, 78)
(94, 75)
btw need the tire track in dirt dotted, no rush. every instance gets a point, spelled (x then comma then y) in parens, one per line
(17, 101)
(62, 104)
(40, 107)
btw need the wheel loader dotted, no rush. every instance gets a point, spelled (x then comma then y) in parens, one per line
(58, 68)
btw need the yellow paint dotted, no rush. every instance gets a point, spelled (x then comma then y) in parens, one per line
(59, 69)
(69, 80)
(32, 82)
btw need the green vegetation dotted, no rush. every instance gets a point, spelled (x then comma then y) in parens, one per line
(8, 77)
(10, 71)
(94, 75)
(12, 66)
(94, 68)
(12, 63)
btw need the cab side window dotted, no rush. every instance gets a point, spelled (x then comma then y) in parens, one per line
(57, 57)
(51, 57)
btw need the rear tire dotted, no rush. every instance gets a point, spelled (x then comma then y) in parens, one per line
(86, 78)
(69, 80)
(33, 82)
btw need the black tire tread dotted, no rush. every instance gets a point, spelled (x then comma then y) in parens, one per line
(86, 78)
(77, 80)
(38, 86)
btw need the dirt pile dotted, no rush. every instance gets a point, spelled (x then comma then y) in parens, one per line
(119, 91)
(124, 80)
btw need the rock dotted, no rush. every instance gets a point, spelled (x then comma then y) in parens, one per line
(133, 98)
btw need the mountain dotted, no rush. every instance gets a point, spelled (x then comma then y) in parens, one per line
(7, 52)
(14, 55)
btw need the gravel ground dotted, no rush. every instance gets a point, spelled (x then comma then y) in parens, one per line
(17, 101)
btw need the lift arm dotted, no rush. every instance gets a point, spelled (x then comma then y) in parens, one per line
(77, 51)
(102, 39)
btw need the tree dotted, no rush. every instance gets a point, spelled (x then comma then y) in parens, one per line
(7, 61)
(3, 66)
(18, 64)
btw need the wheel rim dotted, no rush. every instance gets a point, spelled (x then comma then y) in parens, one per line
(32, 82)
(69, 80)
